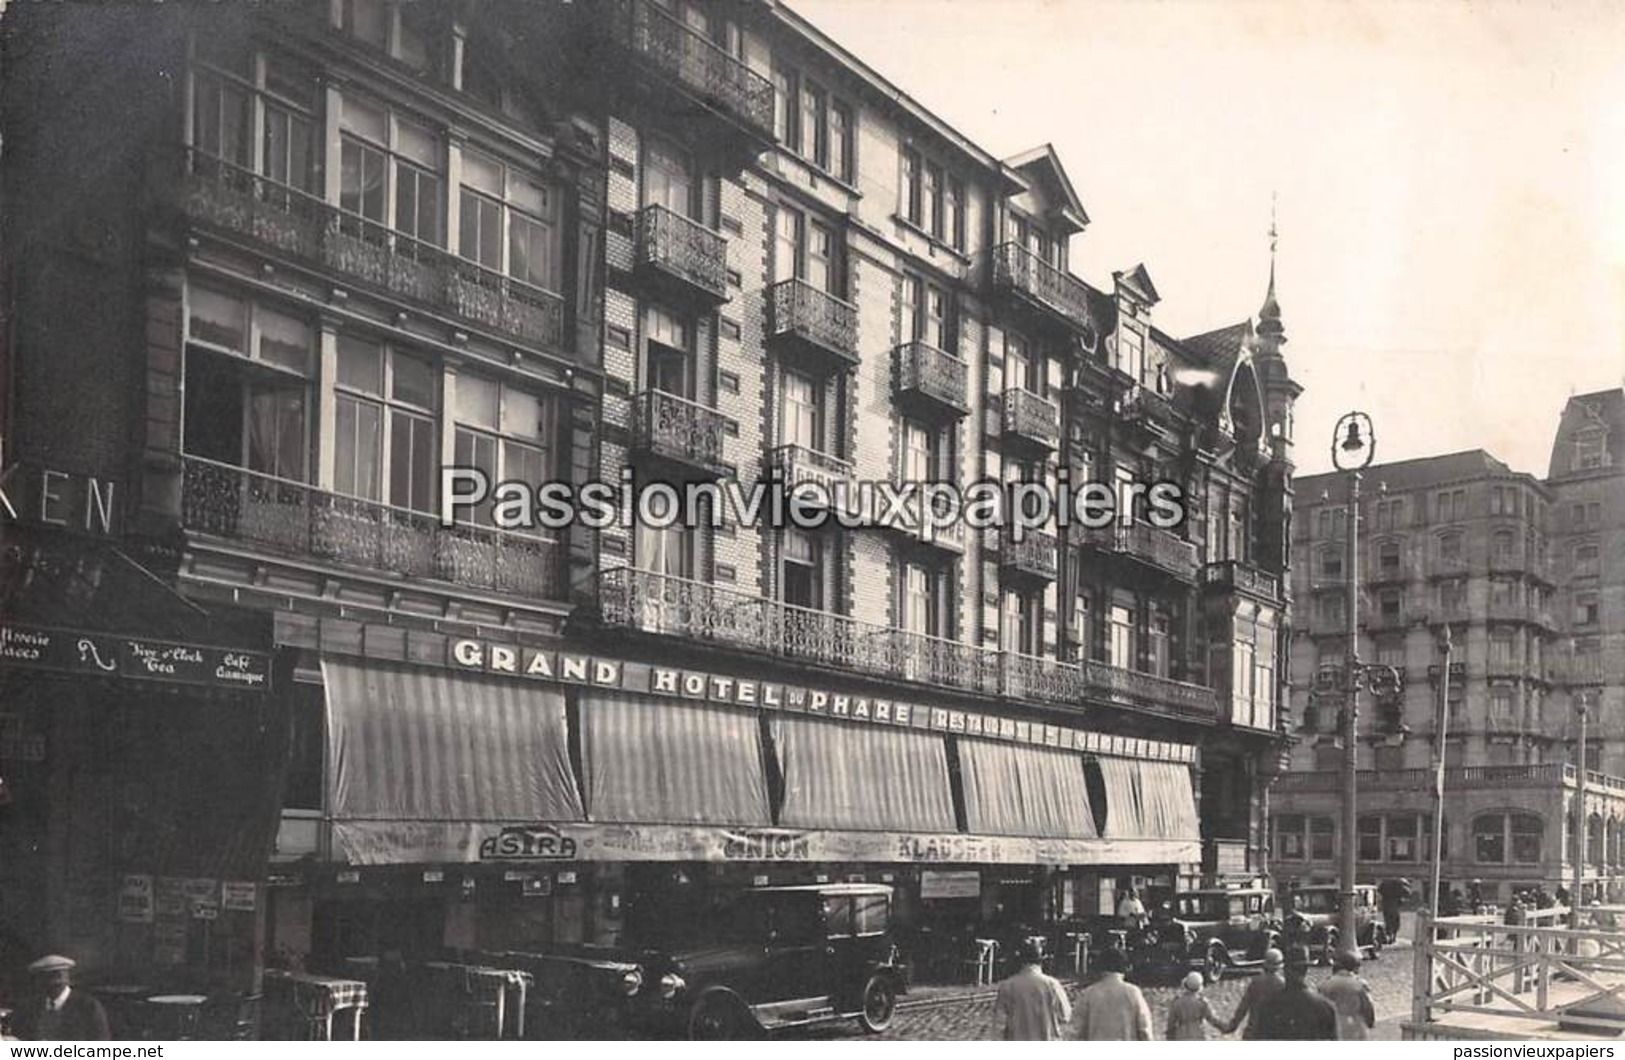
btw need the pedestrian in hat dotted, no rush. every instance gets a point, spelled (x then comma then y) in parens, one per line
(1297, 1012)
(1351, 996)
(1260, 989)
(1190, 1013)
(1031, 1006)
(1112, 1009)
(63, 1014)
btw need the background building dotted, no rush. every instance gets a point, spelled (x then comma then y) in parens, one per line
(553, 241)
(1514, 567)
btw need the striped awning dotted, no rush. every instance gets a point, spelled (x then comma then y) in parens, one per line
(1022, 790)
(650, 761)
(1148, 800)
(862, 777)
(413, 745)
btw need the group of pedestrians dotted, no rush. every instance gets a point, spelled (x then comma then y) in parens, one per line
(1278, 1005)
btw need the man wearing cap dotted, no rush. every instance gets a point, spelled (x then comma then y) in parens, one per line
(1297, 1012)
(1111, 1009)
(1260, 989)
(1031, 1006)
(63, 1014)
(1351, 996)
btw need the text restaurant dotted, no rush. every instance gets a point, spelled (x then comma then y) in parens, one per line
(516, 798)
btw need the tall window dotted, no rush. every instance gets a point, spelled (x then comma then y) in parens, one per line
(1502, 709)
(248, 389)
(931, 198)
(1130, 352)
(806, 248)
(1453, 596)
(1022, 622)
(1586, 560)
(388, 442)
(385, 160)
(921, 453)
(803, 412)
(924, 601)
(1120, 636)
(668, 178)
(1585, 609)
(229, 90)
(664, 550)
(668, 341)
(1157, 646)
(506, 432)
(1369, 831)
(1450, 550)
(1388, 559)
(1021, 366)
(925, 313)
(508, 223)
(802, 570)
(1497, 834)
(811, 123)
(1504, 547)
(1503, 650)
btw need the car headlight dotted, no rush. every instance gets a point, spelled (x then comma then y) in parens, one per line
(670, 984)
(631, 981)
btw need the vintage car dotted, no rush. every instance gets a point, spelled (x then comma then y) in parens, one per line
(771, 957)
(1214, 930)
(1318, 906)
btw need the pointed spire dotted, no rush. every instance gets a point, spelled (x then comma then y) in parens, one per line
(1269, 317)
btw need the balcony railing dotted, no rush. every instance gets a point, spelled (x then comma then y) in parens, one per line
(799, 310)
(678, 607)
(1035, 554)
(301, 521)
(1032, 418)
(1135, 689)
(1017, 269)
(683, 249)
(929, 376)
(678, 429)
(1146, 543)
(1458, 778)
(1230, 575)
(294, 222)
(697, 64)
(796, 464)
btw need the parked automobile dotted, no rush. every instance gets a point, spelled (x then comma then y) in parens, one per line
(1215, 930)
(775, 957)
(1319, 905)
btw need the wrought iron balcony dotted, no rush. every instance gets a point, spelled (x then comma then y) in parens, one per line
(939, 532)
(1131, 688)
(816, 319)
(673, 247)
(1234, 576)
(796, 464)
(657, 603)
(678, 430)
(301, 521)
(284, 219)
(1019, 271)
(932, 381)
(696, 65)
(1140, 541)
(1456, 778)
(1032, 419)
(1035, 555)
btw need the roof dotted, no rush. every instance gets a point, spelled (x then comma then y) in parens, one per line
(1045, 161)
(1138, 280)
(1402, 476)
(1602, 408)
(1219, 347)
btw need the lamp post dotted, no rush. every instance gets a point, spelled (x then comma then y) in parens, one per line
(1353, 447)
(1441, 725)
(1581, 824)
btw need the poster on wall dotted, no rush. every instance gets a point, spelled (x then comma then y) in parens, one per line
(169, 900)
(202, 898)
(967, 884)
(135, 900)
(238, 895)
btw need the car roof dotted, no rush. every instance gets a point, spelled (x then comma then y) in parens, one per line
(1335, 887)
(826, 888)
(1224, 891)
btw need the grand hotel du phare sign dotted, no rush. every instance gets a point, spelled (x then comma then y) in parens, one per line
(571, 841)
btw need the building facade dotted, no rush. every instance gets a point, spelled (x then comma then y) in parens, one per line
(1512, 566)
(557, 242)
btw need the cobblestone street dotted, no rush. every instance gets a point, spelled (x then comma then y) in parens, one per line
(969, 1016)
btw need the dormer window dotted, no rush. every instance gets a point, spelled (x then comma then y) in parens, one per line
(1590, 449)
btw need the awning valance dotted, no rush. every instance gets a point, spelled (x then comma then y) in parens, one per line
(1148, 800)
(653, 762)
(420, 760)
(839, 775)
(1024, 791)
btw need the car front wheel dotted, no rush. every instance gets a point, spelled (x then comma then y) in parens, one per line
(719, 1018)
(1213, 966)
(879, 1005)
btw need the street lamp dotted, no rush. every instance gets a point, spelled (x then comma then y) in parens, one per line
(1354, 445)
(1581, 823)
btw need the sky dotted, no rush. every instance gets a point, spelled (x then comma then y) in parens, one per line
(1449, 178)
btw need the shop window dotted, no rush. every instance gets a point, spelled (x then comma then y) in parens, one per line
(1289, 837)
(1489, 839)
(303, 788)
(1402, 837)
